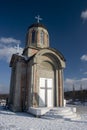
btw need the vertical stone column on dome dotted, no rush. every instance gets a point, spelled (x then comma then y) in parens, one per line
(60, 88)
(38, 37)
(45, 39)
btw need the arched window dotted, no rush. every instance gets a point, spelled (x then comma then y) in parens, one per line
(41, 37)
(33, 36)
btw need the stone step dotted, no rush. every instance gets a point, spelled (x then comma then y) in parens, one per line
(74, 115)
(70, 114)
(66, 114)
(71, 117)
(59, 113)
(52, 117)
(62, 113)
(48, 117)
(61, 109)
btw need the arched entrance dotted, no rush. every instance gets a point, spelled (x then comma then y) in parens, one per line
(48, 79)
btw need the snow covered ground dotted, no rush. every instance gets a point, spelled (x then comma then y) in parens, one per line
(23, 121)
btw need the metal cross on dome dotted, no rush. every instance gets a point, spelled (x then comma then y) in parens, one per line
(38, 18)
(17, 49)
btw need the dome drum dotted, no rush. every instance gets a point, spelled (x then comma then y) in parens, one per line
(37, 37)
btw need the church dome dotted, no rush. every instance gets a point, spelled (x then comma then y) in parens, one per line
(37, 25)
(37, 36)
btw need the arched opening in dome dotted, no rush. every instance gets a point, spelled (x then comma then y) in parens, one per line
(33, 36)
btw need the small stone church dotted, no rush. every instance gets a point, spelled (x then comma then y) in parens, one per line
(37, 74)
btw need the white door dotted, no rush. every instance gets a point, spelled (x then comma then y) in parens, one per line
(42, 92)
(46, 92)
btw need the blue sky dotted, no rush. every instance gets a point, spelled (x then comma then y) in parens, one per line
(66, 21)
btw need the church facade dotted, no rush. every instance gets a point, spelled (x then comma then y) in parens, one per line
(37, 74)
